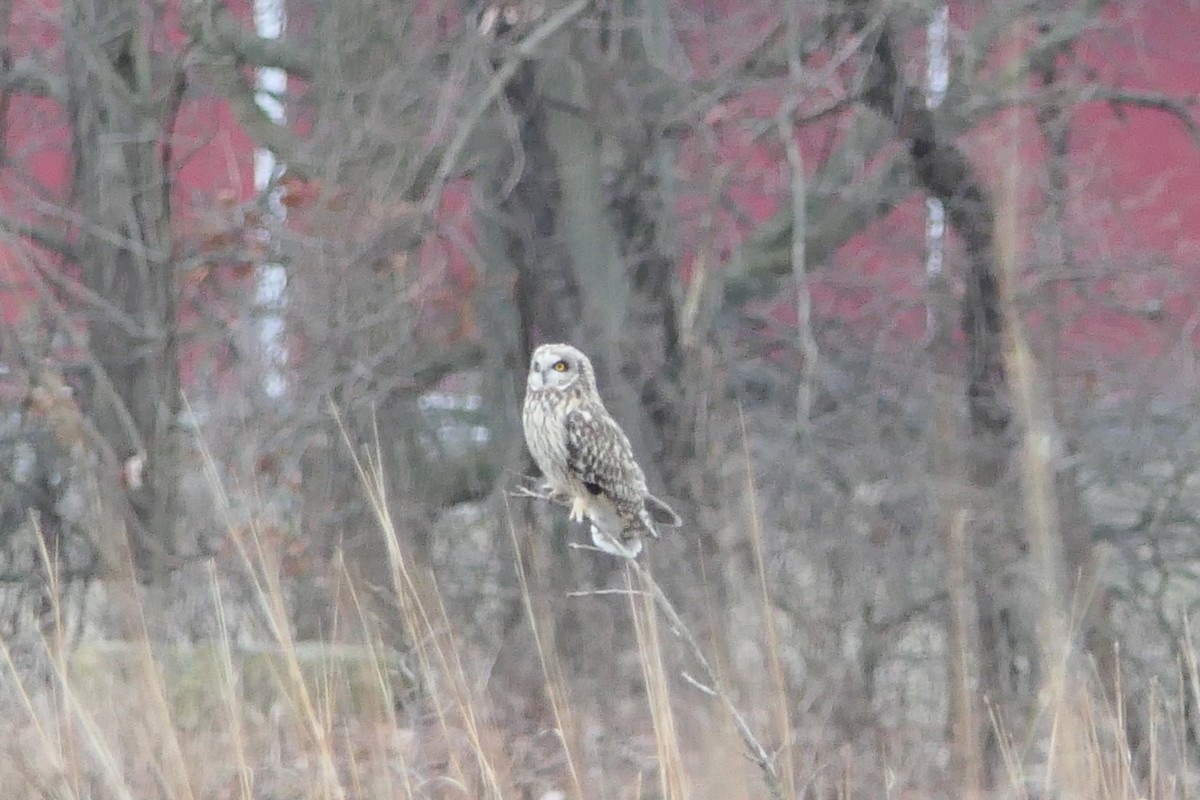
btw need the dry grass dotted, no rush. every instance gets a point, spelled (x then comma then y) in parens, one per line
(331, 720)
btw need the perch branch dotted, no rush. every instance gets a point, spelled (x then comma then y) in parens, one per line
(758, 753)
(716, 687)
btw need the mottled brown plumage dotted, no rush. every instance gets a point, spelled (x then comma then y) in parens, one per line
(584, 455)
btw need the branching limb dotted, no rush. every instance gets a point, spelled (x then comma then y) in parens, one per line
(28, 76)
(224, 47)
(87, 298)
(710, 682)
(210, 25)
(281, 140)
(1182, 110)
(520, 54)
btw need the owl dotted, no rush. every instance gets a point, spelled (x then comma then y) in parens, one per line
(584, 455)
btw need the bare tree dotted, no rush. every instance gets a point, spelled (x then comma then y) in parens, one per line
(460, 184)
(122, 100)
(103, 255)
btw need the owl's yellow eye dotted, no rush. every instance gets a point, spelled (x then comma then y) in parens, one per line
(559, 366)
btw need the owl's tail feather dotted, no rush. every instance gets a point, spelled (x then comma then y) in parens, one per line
(662, 513)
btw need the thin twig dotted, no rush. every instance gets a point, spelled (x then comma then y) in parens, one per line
(603, 592)
(758, 753)
(582, 546)
(708, 690)
(786, 127)
(1183, 109)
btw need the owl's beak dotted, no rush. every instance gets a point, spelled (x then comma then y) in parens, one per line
(535, 379)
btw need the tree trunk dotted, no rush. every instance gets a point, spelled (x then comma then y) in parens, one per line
(582, 237)
(943, 171)
(121, 112)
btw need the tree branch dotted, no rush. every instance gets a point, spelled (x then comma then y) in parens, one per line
(716, 688)
(806, 341)
(996, 100)
(520, 54)
(90, 299)
(211, 26)
(944, 171)
(266, 132)
(27, 76)
(841, 200)
(39, 236)
(762, 758)
(1182, 110)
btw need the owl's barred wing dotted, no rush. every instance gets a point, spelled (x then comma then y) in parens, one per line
(600, 455)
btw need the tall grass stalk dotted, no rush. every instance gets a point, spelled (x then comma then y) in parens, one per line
(556, 691)
(673, 779)
(119, 725)
(434, 642)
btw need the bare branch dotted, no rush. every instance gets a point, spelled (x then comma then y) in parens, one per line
(762, 758)
(841, 199)
(74, 218)
(211, 26)
(27, 76)
(39, 235)
(806, 340)
(1182, 110)
(521, 53)
(716, 687)
(605, 593)
(279, 139)
(103, 382)
(700, 686)
(90, 299)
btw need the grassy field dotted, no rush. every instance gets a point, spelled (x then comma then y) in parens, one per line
(352, 717)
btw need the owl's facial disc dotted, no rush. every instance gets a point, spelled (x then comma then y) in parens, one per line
(552, 367)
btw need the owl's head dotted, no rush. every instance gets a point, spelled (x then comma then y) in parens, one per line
(559, 366)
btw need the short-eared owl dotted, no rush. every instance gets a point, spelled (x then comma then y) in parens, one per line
(584, 455)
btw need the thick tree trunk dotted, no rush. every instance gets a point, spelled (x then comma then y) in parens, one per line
(547, 292)
(943, 171)
(549, 306)
(120, 115)
(583, 241)
(654, 362)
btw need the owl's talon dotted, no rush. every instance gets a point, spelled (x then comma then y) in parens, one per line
(577, 510)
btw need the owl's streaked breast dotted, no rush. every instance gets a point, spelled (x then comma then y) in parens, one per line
(544, 416)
